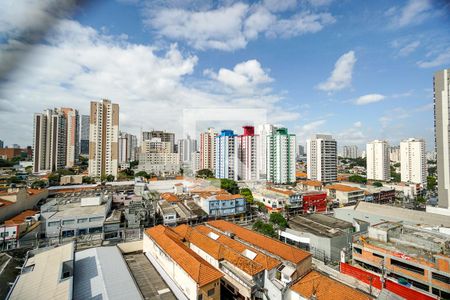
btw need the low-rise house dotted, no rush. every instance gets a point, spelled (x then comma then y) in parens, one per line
(17, 200)
(314, 201)
(310, 185)
(12, 230)
(74, 215)
(345, 194)
(316, 285)
(220, 204)
(71, 179)
(324, 236)
(295, 262)
(188, 275)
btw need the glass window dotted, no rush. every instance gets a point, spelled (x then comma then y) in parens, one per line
(54, 223)
(68, 222)
(96, 219)
(211, 292)
(82, 220)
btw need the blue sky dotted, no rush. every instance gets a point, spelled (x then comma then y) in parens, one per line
(359, 70)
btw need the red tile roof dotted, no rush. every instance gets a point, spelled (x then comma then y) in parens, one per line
(197, 268)
(342, 188)
(260, 241)
(312, 183)
(284, 192)
(20, 218)
(325, 288)
(170, 197)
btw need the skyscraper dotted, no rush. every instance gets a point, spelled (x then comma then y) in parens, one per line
(226, 162)
(127, 147)
(55, 139)
(166, 137)
(208, 149)
(247, 147)
(350, 151)
(1, 144)
(377, 155)
(103, 139)
(321, 158)
(442, 135)
(413, 164)
(73, 135)
(263, 131)
(280, 154)
(84, 135)
(186, 147)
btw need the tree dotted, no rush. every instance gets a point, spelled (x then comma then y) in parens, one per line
(247, 194)
(432, 170)
(229, 185)
(431, 183)
(264, 228)
(39, 184)
(133, 163)
(205, 173)
(142, 174)
(357, 179)
(377, 184)
(278, 219)
(53, 179)
(5, 163)
(110, 178)
(88, 180)
(64, 172)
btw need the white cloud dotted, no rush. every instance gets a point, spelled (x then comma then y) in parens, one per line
(341, 77)
(414, 12)
(231, 27)
(353, 135)
(369, 98)
(77, 64)
(408, 48)
(320, 2)
(244, 77)
(439, 60)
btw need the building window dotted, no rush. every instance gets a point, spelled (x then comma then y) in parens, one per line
(68, 222)
(96, 219)
(357, 250)
(200, 297)
(82, 220)
(378, 255)
(406, 266)
(211, 292)
(443, 278)
(54, 223)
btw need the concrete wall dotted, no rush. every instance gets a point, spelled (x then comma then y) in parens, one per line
(22, 201)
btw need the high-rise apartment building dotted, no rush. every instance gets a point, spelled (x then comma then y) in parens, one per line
(55, 139)
(377, 155)
(350, 151)
(84, 135)
(247, 144)
(263, 131)
(208, 149)
(127, 147)
(394, 154)
(413, 164)
(442, 135)
(226, 162)
(166, 137)
(103, 139)
(321, 158)
(185, 149)
(2, 145)
(301, 150)
(73, 135)
(280, 154)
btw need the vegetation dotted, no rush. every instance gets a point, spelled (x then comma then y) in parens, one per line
(29, 169)
(142, 174)
(204, 173)
(279, 220)
(359, 162)
(14, 180)
(126, 174)
(431, 183)
(395, 177)
(6, 163)
(261, 207)
(397, 165)
(247, 194)
(38, 184)
(133, 164)
(229, 185)
(53, 179)
(432, 171)
(108, 178)
(420, 199)
(377, 184)
(88, 180)
(357, 179)
(264, 228)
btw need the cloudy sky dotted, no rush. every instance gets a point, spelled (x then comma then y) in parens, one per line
(359, 70)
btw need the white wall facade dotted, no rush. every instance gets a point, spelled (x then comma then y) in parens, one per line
(413, 164)
(377, 155)
(321, 158)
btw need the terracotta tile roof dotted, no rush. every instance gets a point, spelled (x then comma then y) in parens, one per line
(266, 261)
(20, 218)
(326, 288)
(228, 197)
(170, 197)
(220, 251)
(342, 188)
(301, 174)
(260, 241)
(284, 192)
(312, 183)
(197, 268)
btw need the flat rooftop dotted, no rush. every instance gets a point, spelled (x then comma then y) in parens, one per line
(318, 226)
(150, 283)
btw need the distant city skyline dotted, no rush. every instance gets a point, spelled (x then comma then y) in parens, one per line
(358, 71)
